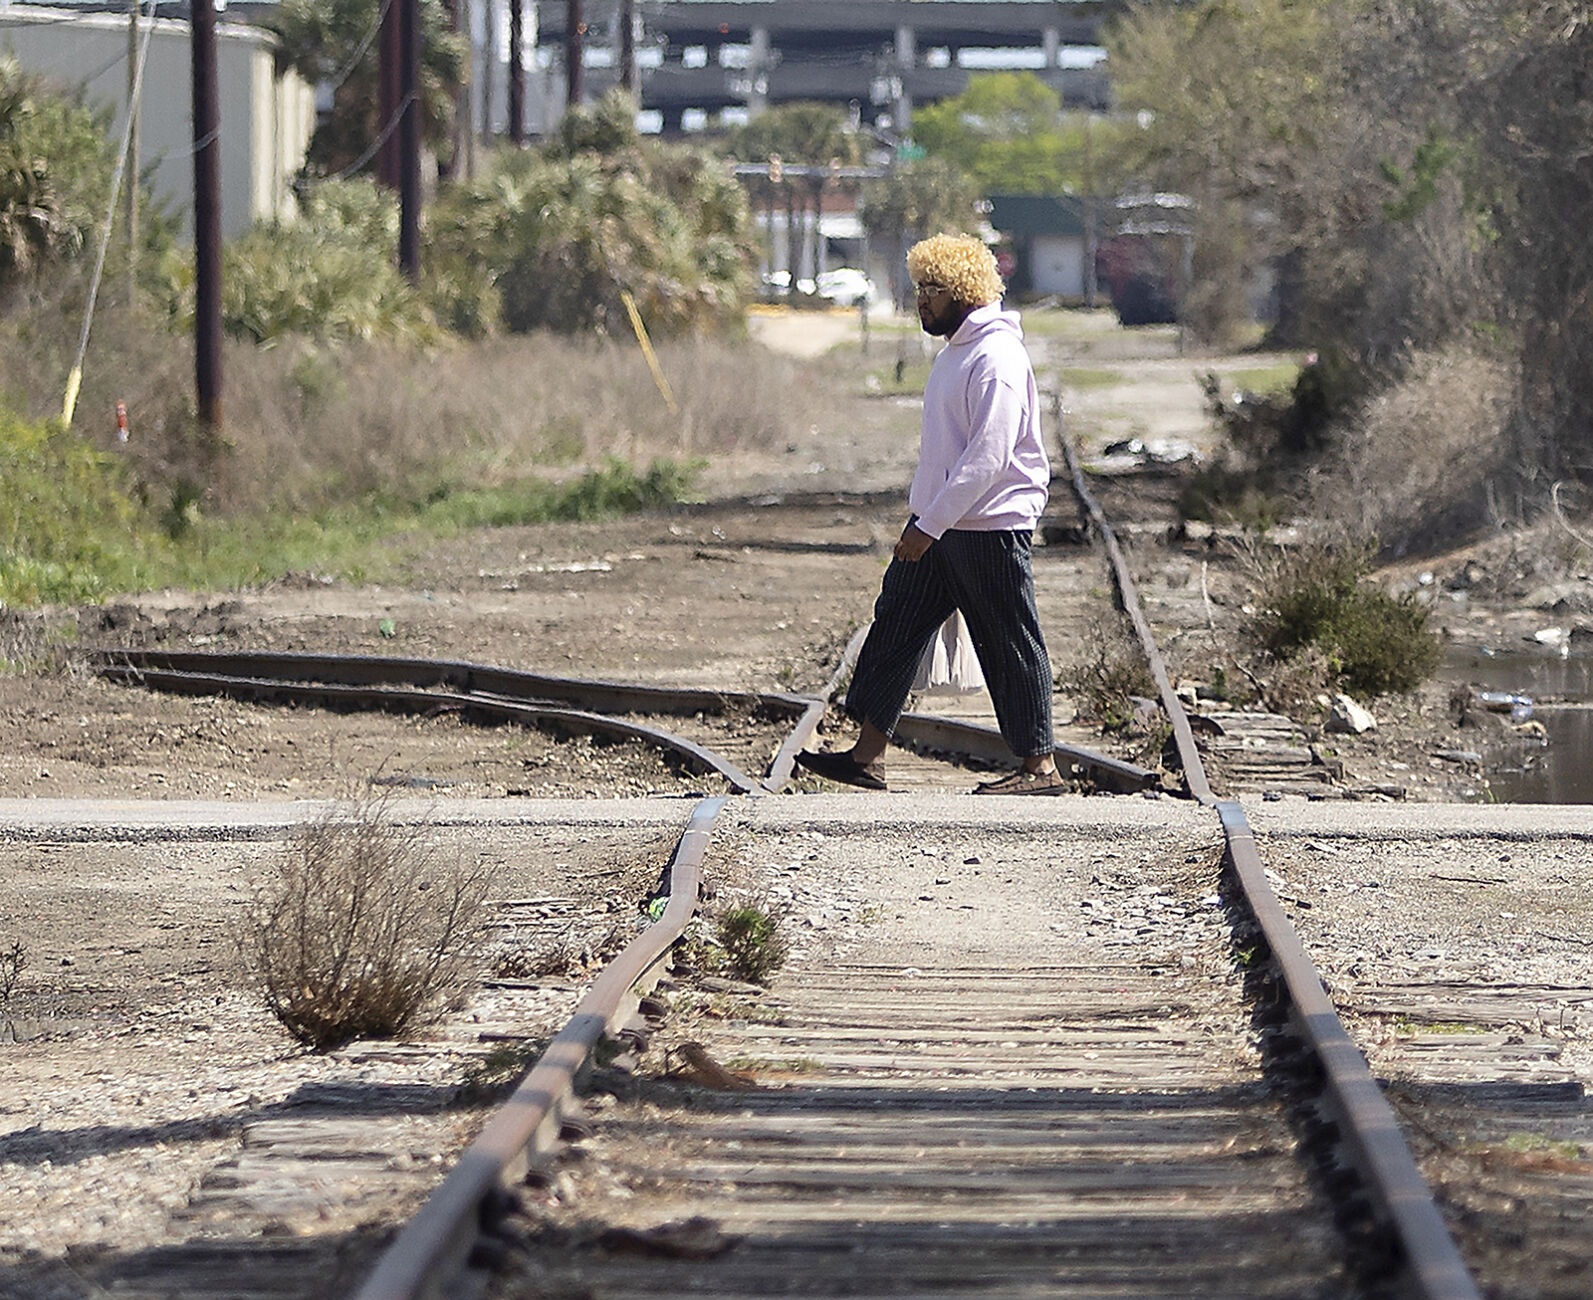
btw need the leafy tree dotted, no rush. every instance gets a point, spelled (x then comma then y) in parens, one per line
(1234, 101)
(1529, 108)
(810, 134)
(1415, 169)
(337, 41)
(1006, 131)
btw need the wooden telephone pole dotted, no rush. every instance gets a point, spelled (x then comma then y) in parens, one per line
(409, 141)
(207, 217)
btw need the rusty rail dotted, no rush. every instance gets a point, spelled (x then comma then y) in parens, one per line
(473, 707)
(1370, 1131)
(436, 1243)
(483, 693)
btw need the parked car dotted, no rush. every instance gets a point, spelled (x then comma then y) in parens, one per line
(847, 286)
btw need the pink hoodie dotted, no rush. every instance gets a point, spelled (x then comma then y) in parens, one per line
(981, 462)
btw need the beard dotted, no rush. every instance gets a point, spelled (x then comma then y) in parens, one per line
(942, 324)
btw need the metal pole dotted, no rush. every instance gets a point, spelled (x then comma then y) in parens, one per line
(409, 142)
(1091, 238)
(574, 32)
(207, 217)
(516, 73)
(133, 124)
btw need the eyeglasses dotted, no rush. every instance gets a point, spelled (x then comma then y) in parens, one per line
(929, 289)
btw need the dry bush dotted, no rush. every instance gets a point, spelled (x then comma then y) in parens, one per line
(1418, 467)
(12, 960)
(561, 954)
(132, 358)
(363, 927)
(34, 642)
(537, 959)
(1106, 684)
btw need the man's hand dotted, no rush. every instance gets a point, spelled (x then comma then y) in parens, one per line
(912, 544)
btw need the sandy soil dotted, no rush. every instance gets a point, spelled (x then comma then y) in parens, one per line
(757, 589)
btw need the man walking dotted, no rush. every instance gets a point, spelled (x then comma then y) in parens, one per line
(981, 483)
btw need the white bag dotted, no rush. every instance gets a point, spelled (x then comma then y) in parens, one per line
(950, 666)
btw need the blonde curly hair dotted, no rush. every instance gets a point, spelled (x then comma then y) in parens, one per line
(960, 262)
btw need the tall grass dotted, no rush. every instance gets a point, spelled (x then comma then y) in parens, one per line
(327, 449)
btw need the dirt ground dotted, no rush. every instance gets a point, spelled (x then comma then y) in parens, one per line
(759, 588)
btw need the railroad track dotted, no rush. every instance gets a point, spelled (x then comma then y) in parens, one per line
(746, 740)
(994, 1121)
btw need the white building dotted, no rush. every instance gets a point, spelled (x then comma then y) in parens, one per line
(266, 118)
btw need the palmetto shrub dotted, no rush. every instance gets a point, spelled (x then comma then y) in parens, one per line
(55, 169)
(329, 275)
(562, 235)
(362, 928)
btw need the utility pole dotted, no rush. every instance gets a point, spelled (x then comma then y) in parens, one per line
(489, 67)
(457, 166)
(409, 141)
(131, 181)
(207, 217)
(389, 75)
(574, 32)
(627, 21)
(516, 73)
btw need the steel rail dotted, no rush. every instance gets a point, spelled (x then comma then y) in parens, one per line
(459, 675)
(1128, 600)
(781, 767)
(975, 740)
(435, 1245)
(472, 708)
(507, 694)
(1369, 1128)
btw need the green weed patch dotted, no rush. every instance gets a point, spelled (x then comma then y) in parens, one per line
(1080, 378)
(69, 531)
(607, 493)
(1377, 644)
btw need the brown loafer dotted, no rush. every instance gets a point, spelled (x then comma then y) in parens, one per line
(1021, 782)
(839, 766)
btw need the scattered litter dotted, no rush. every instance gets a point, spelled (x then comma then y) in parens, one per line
(1137, 453)
(1519, 707)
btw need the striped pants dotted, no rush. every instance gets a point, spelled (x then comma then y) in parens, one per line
(987, 575)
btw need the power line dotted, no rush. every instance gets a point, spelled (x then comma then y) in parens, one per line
(74, 379)
(376, 144)
(347, 69)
